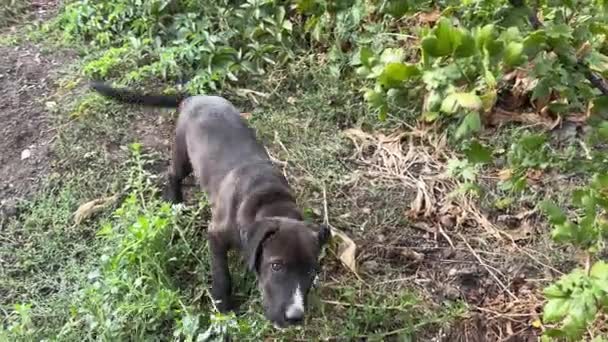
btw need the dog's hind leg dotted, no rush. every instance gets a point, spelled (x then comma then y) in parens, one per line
(180, 169)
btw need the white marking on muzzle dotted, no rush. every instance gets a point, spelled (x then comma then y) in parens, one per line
(295, 310)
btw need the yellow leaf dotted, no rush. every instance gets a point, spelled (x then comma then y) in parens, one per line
(346, 250)
(504, 175)
(88, 209)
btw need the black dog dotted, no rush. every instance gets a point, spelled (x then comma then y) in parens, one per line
(253, 207)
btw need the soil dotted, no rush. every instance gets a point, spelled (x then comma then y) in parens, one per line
(26, 79)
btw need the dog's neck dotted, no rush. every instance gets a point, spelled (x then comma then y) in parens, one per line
(279, 209)
(268, 202)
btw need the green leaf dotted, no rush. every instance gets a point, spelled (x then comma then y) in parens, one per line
(470, 124)
(598, 62)
(578, 195)
(556, 309)
(581, 312)
(599, 270)
(602, 130)
(554, 291)
(495, 47)
(445, 31)
(396, 8)
(391, 55)
(478, 154)
(374, 98)
(399, 96)
(514, 54)
(600, 180)
(467, 47)
(600, 105)
(484, 35)
(377, 100)
(308, 7)
(555, 213)
(559, 31)
(486, 40)
(395, 74)
(455, 101)
(363, 71)
(383, 113)
(430, 116)
(512, 34)
(441, 42)
(534, 43)
(430, 47)
(366, 56)
(565, 232)
(532, 142)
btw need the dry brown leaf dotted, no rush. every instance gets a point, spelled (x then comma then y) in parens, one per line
(501, 116)
(357, 135)
(523, 232)
(505, 174)
(534, 176)
(417, 205)
(580, 118)
(412, 255)
(347, 250)
(584, 50)
(428, 17)
(89, 209)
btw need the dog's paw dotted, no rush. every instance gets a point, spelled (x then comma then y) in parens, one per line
(172, 197)
(223, 305)
(178, 207)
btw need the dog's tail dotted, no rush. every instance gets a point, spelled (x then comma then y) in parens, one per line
(133, 97)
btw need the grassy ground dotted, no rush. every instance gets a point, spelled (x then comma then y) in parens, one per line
(434, 263)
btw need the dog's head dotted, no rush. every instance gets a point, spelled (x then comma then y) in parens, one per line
(284, 255)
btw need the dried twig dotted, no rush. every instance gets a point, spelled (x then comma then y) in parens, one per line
(482, 263)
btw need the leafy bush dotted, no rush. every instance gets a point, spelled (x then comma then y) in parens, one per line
(576, 298)
(467, 58)
(204, 43)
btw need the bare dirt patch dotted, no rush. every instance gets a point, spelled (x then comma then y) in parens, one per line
(26, 80)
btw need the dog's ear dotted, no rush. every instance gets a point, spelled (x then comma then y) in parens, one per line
(257, 233)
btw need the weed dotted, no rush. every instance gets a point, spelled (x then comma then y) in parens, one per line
(577, 297)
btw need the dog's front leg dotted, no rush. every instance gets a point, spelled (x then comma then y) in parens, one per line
(221, 286)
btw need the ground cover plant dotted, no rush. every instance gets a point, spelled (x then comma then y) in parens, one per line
(456, 147)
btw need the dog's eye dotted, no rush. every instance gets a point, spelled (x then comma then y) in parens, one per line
(276, 266)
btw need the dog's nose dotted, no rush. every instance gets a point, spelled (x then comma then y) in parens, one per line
(294, 317)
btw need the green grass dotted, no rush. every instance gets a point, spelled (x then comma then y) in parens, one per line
(12, 10)
(139, 270)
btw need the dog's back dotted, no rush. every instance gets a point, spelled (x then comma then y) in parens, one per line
(213, 127)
